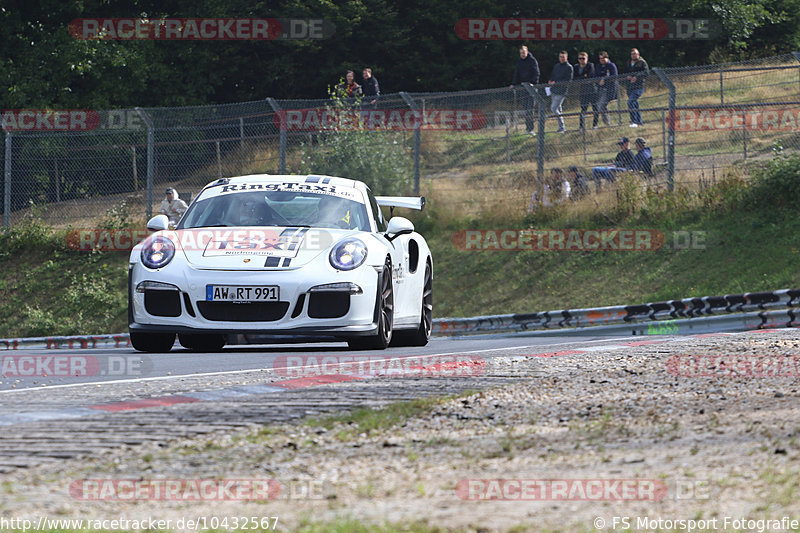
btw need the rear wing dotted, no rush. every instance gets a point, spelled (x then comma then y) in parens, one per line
(409, 202)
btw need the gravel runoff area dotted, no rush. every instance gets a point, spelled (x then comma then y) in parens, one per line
(691, 429)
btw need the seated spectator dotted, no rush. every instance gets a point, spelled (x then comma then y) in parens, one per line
(560, 185)
(579, 186)
(541, 197)
(622, 163)
(643, 160)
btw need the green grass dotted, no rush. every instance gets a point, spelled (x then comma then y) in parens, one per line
(368, 420)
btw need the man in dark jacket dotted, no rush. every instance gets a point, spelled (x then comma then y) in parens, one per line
(526, 71)
(370, 87)
(622, 163)
(636, 71)
(607, 86)
(584, 71)
(559, 82)
(643, 160)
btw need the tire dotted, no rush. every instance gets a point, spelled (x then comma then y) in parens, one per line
(422, 334)
(202, 342)
(385, 308)
(152, 342)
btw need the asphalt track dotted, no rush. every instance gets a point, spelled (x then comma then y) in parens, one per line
(127, 398)
(69, 368)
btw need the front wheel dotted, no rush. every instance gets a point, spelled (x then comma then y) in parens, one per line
(152, 342)
(385, 302)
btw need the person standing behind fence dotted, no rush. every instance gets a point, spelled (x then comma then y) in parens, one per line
(370, 87)
(559, 83)
(636, 71)
(172, 206)
(348, 88)
(527, 71)
(584, 71)
(607, 86)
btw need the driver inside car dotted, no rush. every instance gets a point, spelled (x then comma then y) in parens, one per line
(332, 213)
(253, 211)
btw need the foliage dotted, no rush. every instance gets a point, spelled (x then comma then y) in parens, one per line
(379, 159)
(44, 66)
(778, 188)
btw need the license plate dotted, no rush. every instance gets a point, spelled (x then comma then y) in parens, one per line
(242, 293)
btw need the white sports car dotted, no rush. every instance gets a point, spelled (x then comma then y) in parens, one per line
(308, 256)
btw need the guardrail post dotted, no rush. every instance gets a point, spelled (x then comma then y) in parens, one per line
(670, 127)
(283, 138)
(417, 139)
(151, 154)
(541, 104)
(7, 183)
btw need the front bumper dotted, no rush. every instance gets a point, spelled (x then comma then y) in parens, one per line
(189, 297)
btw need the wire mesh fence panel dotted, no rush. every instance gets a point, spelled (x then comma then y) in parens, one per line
(475, 152)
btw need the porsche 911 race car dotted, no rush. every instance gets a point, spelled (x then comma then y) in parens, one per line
(308, 256)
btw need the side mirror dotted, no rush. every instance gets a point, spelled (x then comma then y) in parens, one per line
(399, 226)
(158, 223)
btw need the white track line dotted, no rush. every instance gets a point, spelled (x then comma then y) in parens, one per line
(236, 372)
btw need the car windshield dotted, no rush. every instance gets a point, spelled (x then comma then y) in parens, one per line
(276, 208)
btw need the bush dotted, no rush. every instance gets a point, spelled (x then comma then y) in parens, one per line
(779, 187)
(379, 159)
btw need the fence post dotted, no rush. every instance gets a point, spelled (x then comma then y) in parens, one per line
(721, 90)
(282, 156)
(744, 133)
(58, 179)
(670, 127)
(508, 140)
(797, 57)
(664, 135)
(151, 154)
(219, 162)
(417, 139)
(7, 183)
(619, 102)
(135, 170)
(541, 102)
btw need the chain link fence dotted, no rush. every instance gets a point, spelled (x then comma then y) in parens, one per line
(470, 151)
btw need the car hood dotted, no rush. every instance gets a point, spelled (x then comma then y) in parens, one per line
(256, 248)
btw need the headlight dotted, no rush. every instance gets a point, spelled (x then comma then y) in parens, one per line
(158, 252)
(348, 254)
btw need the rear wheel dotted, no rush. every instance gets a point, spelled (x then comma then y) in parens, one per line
(422, 334)
(202, 342)
(385, 297)
(152, 342)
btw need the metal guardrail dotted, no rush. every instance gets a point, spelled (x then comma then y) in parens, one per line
(752, 310)
(627, 315)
